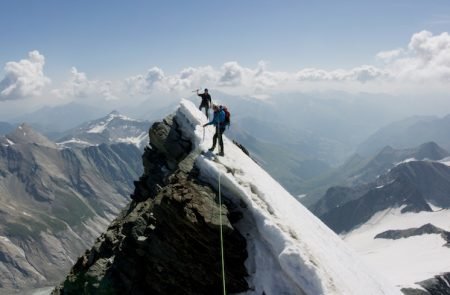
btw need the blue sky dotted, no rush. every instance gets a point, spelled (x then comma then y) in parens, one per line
(116, 38)
(65, 50)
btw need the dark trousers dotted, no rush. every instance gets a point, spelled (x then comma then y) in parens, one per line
(206, 106)
(218, 134)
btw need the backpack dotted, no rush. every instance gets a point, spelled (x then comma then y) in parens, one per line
(227, 116)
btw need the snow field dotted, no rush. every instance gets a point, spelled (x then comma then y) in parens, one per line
(408, 260)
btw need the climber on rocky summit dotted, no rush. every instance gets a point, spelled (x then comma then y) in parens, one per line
(206, 101)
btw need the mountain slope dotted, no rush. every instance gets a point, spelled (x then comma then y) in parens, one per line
(113, 128)
(54, 202)
(399, 223)
(359, 171)
(413, 184)
(408, 133)
(289, 250)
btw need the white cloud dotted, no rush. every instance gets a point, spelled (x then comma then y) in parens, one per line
(25, 78)
(362, 74)
(79, 86)
(422, 65)
(387, 56)
(425, 60)
(231, 75)
(143, 84)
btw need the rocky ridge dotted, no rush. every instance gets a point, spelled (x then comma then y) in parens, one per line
(167, 241)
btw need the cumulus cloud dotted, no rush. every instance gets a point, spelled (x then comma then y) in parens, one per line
(24, 78)
(423, 64)
(362, 74)
(79, 86)
(231, 77)
(387, 56)
(427, 59)
(232, 74)
(142, 84)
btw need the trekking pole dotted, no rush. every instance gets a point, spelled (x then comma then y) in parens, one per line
(203, 134)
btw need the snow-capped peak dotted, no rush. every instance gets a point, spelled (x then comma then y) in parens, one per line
(99, 126)
(290, 250)
(113, 128)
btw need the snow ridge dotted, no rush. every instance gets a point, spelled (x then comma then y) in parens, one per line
(290, 250)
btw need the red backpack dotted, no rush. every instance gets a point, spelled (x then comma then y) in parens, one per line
(227, 116)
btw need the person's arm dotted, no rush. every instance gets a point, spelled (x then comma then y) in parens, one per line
(214, 121)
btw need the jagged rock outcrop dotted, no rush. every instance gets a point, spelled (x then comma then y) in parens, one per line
(438, 285)
(167, 241)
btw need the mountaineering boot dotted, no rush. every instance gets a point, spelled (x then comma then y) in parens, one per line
(211, 149)
(221, 153)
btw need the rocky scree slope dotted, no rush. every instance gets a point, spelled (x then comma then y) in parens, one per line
(54, 203)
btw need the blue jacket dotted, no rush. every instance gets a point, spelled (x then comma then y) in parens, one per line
(219, 118)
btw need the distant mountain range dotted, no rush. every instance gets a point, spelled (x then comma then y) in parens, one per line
(359, 170)
(408, 133)
(54, 201)
(113, 128)
(401, 215)
(413, 185)
(53, 120)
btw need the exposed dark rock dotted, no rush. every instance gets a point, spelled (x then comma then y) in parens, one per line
(241, 147)
(410, 232)
(412, 291)
(336, 196)
(439, 285)
(167, 241)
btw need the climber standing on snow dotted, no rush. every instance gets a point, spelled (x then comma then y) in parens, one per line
(206, 102)
(218, 121)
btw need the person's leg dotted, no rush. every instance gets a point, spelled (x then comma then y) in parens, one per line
(207, 111)
(221, 131)
(214, 140)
